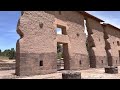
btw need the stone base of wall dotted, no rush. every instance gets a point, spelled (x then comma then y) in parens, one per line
(79, 62)
(29, 64)
(42, 72)
(101, 61)
(115, 61)
(85, 62)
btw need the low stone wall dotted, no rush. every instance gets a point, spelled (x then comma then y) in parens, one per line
(7, 66)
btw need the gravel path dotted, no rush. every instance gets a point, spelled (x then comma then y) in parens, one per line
(85, 74)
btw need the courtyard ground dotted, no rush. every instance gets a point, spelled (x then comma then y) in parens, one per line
(91, 73)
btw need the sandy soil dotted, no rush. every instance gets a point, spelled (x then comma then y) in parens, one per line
(85, 74)
(7, 61)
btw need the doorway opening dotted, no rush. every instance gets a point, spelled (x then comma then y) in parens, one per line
(62, 57)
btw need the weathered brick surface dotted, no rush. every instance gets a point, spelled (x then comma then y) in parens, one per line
(113, 36)
(39, 41)
(96, 43)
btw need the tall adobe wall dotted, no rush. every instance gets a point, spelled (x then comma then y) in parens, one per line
(37, 47)
(96, 42)
(114, 41)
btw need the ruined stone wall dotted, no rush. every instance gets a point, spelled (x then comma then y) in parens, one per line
(114, 40)
(38, 42)
(36, 50)
(96, 42)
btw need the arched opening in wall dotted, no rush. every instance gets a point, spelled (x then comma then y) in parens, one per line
(62, 56)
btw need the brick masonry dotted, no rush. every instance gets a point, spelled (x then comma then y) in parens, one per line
(37, 47)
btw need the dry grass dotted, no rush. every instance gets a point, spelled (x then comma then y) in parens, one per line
(4, 58)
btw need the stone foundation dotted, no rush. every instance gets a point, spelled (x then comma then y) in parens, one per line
(30, 63)
(111, 70)
(79, 61)
(101, 61)
(71, 75)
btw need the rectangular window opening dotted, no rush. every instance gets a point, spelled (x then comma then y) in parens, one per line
(61, 30)
(80, 62)
(102, 61)
(41, 63)
(118, 43)
(60, 13)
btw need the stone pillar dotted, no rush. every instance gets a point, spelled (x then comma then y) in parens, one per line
(111, 70)
(71, 75)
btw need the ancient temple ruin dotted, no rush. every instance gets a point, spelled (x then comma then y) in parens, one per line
(36, 48)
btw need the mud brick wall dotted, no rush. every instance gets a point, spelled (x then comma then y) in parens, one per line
(97, 53)
(114, 40)
(38, 41)
(36, 50)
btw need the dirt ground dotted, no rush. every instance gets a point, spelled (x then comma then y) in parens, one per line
(91, 73)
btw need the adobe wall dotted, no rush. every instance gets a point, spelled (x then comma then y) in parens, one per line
(97, 53)
(113, 37)
(38, 41)
(36, 50)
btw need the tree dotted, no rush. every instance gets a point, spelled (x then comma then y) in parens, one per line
(6, 52)
(0, 52)
(59, 51)
(12, 54)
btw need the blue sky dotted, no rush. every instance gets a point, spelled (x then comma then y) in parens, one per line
(111, 17)
(8, 24)
(9, 19)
